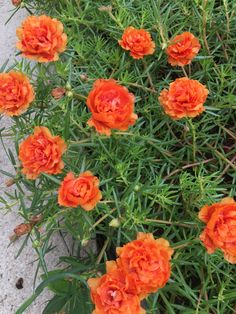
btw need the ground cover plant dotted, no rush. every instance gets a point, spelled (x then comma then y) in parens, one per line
(155, 172)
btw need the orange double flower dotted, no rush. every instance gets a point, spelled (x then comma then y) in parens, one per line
(142, 267)
(111, 105)
(80, 191)
(41, 38)
(16, 93)
(220, 230)
(41, 152)
(138, 42)
(185, 98)
(182, 49)
(113, 292)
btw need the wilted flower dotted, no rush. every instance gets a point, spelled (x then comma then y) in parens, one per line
(58, 92)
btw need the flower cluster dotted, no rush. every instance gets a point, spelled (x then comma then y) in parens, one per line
(142, 267)
(42, 152)
(42, 38)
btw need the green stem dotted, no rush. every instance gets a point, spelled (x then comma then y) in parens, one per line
(101, 219)
(185, 73)
(100, 256)
(79, 96)
(173, 223)
(183, 245)
(193, 131)
(115, 20)
(27, 9)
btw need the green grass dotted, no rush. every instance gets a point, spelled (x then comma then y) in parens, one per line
(148, 175)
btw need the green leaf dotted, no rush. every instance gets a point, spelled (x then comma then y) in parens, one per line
(60, 286)
(45, 284)
(55, 305)
(66, 130)
(80, 301)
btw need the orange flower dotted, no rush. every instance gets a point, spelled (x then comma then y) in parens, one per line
(41, 152)
(182, 49)
(147, 261)
(220, 230)
(138, 41)
(81, 191)
(112, 293)
(185, 98)
(41, 38)
(111, 105)
(16, 93)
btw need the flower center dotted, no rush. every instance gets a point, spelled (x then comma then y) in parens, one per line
(112, 294)
(114, 298)
(108, 102)
(82, 190)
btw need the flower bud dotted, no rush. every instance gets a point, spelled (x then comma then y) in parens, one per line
(68, 86)
(69, 94)
(83, 77)
(114, 223)
(84, 242)
(164, 46)
(186, 128)
(36, 244)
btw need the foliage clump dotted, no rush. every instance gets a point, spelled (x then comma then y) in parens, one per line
(154, 177)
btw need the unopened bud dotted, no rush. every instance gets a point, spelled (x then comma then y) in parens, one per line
(83, 77)
(84, 242)
(36, 244)
(69, 94)
(114, 223)
(137, 188)
(164, 46)
(68, 86)
(186, 129)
